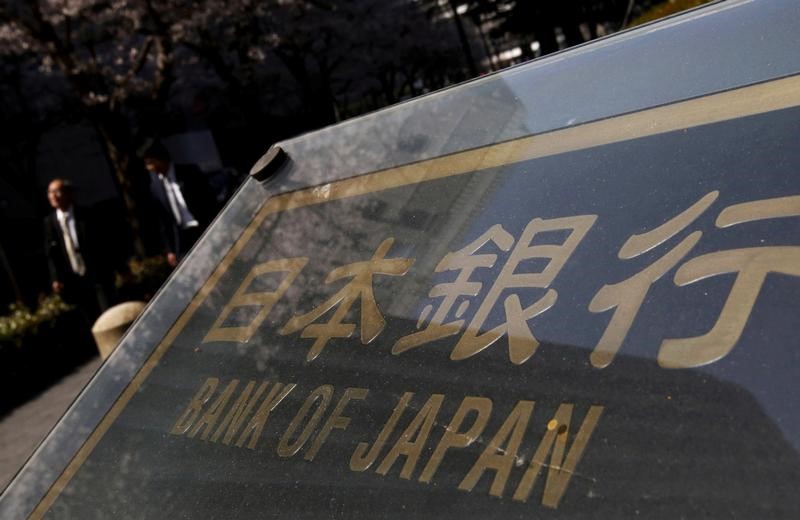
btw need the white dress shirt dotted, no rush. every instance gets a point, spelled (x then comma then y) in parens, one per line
(177, 204)
(67, 219)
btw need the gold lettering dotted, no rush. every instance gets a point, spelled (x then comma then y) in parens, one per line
(239, 411)
(751, 265)
(420, 427)
(497, 457)
(522, 343)
(209, 419)
(256, 425)
(453, 438)
(336, 420)
(264, 300)
(361, 460)
(780, 207)
(644, 242)
(465, 261)
(189, 415)
(359, 289)
(626, 297)
(287, 448)
(559, 471)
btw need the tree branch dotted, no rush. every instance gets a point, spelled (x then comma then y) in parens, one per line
(136, 67)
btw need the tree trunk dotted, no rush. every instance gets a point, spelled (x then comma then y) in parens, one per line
(119, 163)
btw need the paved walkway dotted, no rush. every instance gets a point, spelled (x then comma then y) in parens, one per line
(23, 429)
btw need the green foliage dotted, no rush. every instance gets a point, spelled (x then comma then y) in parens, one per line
(143, 278)
(21, 322)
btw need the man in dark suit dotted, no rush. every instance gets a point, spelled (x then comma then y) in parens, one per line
(76, 261)
(184, 203)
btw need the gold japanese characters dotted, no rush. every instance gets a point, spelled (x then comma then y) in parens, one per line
(445, 318)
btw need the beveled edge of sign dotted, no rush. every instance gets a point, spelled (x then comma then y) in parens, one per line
(768, 96)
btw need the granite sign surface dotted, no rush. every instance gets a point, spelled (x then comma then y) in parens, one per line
(478, 305)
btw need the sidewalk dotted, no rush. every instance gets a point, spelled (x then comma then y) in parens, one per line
(23, 429)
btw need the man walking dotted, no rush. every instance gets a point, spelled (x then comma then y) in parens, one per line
(185, 204)
(74, 259)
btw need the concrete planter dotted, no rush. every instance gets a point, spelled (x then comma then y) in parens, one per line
(112, 324)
